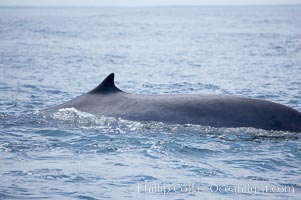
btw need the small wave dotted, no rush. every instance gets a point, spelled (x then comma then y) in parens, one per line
(75, 117)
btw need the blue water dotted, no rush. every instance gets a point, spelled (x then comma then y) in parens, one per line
(51, 55)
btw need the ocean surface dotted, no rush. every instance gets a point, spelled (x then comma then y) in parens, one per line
(51, 55)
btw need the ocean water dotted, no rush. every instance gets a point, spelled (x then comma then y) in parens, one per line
(51, 55)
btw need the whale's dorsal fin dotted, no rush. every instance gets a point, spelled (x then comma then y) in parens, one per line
(106, 86)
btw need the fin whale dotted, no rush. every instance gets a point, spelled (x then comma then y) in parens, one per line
(207, 110)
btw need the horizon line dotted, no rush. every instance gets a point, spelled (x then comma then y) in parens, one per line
(150, 5)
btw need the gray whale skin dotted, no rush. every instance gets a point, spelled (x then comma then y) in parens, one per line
(206, 110)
